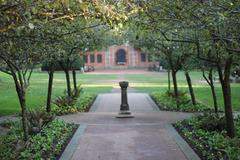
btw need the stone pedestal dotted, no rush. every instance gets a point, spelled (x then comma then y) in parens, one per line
(124, 107)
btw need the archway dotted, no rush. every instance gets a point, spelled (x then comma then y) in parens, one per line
(121, 57)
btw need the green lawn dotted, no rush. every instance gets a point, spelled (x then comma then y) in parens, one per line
(37, 92)
(94, 84)
(152, 83)
(202, 93)
(153, 77)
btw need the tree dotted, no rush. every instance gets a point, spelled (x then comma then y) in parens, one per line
(213, 22)
(26, 23)
(19, 63)
(220, 26)
(188, 65)
(208, 74)
(169, 50)
(50, 64)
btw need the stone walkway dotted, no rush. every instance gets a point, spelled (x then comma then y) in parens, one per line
(8, 118)
(144, 137)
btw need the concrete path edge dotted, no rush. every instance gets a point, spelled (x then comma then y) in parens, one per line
(93, 108)
(153, 104)
(186, 149)
(72, 145)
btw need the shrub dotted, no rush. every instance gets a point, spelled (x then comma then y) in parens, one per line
(212, 122)
(12, 143)
(7, 124)
(64, 110)
(183, 98)
(37, 119)
(47, 144)
(65, 104)
(85, 103)
(167, 101)
(209, 142)
(75, 94)
(65, 101)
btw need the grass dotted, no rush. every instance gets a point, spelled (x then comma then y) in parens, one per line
(94, 84)
(152, 83)
(161, 77)
(202, 93)
(37, 92)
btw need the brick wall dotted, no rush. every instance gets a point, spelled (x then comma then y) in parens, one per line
(109, 58)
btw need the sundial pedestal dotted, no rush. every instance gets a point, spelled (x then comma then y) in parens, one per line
(124, 107)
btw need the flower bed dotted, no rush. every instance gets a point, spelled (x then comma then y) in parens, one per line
(166, 101)
(82, 105)
(207, 136)
(47, 144)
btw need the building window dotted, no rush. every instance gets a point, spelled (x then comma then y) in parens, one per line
(121, 56)
(92, 58)
(99, 58)
(143, 57)
(85, 59)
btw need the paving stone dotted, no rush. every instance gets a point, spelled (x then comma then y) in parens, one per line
(144, 137)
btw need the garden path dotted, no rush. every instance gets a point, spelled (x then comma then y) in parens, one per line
(144, 137)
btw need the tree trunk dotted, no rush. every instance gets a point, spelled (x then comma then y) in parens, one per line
(68, 83)
(169, 81)
(213, 91)
(189, 82)
(50, 82)
(226, 89)
(24, 115)
(210, 82)
(214, 98)
(22, 100)
(174, 78)
(74, 80)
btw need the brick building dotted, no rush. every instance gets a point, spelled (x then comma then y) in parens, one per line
(118, 57)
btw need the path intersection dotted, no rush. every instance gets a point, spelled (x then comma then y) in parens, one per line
(147, 136)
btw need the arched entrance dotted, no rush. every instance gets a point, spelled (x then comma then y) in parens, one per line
(121, 57)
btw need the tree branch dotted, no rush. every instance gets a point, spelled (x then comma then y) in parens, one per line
(5, 71)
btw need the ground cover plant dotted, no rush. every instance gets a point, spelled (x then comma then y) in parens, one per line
(206, 134)
(83, 104)
(76, 102)
(67, 102)
(166, 101)
(47, 144)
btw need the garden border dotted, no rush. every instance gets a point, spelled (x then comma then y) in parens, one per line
(184, 146)
(152, 102)
(72, 145)
(90, 104)
(95, 103)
